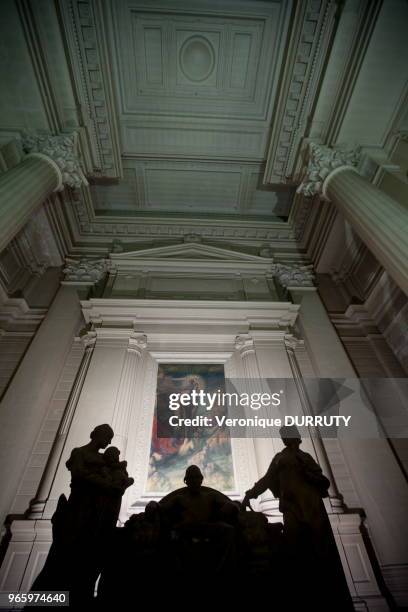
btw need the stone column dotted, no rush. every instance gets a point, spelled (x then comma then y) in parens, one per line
(51, 164)
(127, 390)
(263, 447)
(26, 402)
(379, 220)
(27, 399)
(37, 506)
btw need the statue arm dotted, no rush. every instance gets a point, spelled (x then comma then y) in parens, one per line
(269, 481)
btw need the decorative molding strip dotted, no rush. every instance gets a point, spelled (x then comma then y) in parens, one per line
(87, 44)
(85, 225)
(301, 216)
(312, 33)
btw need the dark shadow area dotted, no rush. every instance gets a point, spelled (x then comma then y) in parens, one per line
(194, 543)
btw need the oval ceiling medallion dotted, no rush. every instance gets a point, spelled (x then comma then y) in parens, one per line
(197, 58)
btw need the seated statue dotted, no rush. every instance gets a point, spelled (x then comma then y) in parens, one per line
(195, 515)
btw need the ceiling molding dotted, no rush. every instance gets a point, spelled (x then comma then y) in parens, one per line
(201, 314)
(86, 227)
(87, 45)
(303, 67)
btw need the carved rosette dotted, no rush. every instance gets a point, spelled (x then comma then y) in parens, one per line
(85, 271)
(323, 161)
(62, 151)
(293, 275)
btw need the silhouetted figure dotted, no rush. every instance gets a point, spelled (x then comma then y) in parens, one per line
(311, 552)
(83, 524)
(195, 514)
(116, 473)
(135, 556)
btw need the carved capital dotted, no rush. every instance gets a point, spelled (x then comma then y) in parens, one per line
(85, 271)
(293, 275)
(292, 342)
(62, 151)
(244, 343)
(322, 162)
(88, 339)
(137, 342)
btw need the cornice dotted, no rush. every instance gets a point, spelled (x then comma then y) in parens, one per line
(140, 314)
(311, 35)
(88, 228)
(89, 58)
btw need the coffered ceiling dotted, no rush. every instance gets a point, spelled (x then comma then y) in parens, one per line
(186, 91)
(197, 80)
(194, 116)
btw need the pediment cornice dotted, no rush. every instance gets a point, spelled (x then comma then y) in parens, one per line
(189, 252)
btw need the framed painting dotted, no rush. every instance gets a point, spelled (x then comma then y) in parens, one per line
(210, 449)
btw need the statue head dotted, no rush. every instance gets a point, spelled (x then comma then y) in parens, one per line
(290, 436)
(102, 435)
(111, 455)
(193, 478)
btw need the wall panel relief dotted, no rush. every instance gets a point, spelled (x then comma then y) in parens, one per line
(179, 56)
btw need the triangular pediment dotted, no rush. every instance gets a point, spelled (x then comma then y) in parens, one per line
(189, 251)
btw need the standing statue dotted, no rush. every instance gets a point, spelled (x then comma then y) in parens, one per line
(83, 524)
(297, 481)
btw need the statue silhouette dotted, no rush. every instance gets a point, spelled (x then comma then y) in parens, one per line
(194, 531)
(297, 480)
(195, 514)
(83, 524)
(115, 472)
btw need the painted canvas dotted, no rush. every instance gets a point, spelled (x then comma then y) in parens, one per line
(169, 457)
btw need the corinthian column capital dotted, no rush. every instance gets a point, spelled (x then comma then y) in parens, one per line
(244, 343)
(293, 275)
(85, 271)
(323, 164)
(137, 342)
(61, 152)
